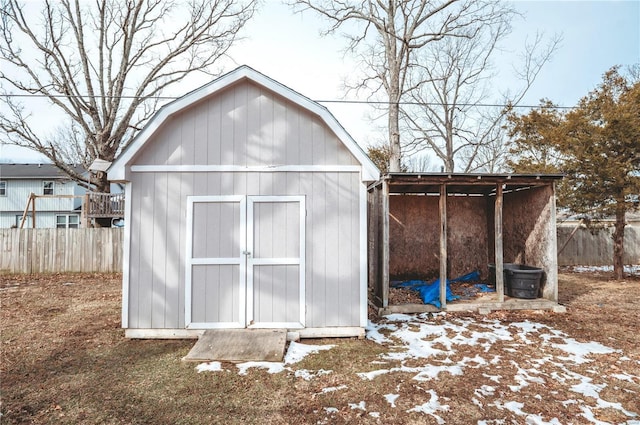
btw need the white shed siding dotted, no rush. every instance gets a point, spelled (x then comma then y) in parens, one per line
(246, 125)
(251, 137)
(156, 297)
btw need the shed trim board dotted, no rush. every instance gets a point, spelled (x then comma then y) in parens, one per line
(118, 170)
(240, 169)
(246, 261)
(240, 261)
(252, 261)
(325, 332)
(364, 250)
(126, 255)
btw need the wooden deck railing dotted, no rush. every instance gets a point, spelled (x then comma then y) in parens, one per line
(105, 205)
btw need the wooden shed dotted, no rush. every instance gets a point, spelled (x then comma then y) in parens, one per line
(440, 225)
(246, 208)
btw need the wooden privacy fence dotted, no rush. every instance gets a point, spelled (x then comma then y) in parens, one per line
(61, 250)
(587, 248)
(100, 249)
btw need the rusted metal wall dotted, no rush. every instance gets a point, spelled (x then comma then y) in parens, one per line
(467, 235)
(530, 234)
(414, 236)
(374, 236)
(524, 217)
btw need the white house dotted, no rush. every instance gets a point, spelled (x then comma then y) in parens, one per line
(18, 181)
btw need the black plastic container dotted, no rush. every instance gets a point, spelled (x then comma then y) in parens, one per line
(505, 267)
(523, 282)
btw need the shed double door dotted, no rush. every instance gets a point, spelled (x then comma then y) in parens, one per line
(245, 262)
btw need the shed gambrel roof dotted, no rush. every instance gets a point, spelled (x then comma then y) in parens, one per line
(117, 171)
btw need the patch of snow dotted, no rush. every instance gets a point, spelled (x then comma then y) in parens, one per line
(391, 399)
(308, 375)
(373, 374)
(209, 367)
(588, 389)
(332, 389)
(297, 351)
(272, 367)
(431, 407)
(629, 269)
(538, 420)
(523, 377)
(331, 410)
(514, 407)
(625, 377)
(430, 372)
(579, 350)
(588, 414)
(374, 414)
(485, 391)
(494, 378)
(359, 406)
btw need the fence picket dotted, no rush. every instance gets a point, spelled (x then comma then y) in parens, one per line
(61, 250)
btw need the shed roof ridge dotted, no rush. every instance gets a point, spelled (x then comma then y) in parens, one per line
(243, 72)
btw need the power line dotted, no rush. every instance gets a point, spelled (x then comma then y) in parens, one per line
(336, 101)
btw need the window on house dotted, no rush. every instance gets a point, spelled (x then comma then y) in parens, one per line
(27, 221)
(47, 188)
(67, 221)
(3, 188)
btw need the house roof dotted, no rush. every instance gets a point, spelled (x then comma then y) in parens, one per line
(117, 171)
(34, 171)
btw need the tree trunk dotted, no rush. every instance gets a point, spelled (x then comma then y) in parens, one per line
(395, 158)
(101, 183)
(618, 243)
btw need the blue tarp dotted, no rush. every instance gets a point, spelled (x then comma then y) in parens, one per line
(430, 291)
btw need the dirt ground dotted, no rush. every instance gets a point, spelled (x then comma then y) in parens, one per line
(64, 359)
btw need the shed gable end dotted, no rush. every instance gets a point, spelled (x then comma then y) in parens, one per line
(245, 125)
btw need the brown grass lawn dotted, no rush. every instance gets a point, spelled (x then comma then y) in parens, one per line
(64, 359)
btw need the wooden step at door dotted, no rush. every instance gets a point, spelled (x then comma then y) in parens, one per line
(239, 345)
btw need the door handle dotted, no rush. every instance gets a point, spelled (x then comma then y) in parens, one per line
(246, 252)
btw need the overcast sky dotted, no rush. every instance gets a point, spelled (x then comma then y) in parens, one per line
(287, 47)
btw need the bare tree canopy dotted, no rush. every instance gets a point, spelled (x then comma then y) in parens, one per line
(104, 64)
(449, 114)
(388, 36)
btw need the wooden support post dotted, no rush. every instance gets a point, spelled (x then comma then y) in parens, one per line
(26, 209)
(33, 211)
(443, 246)
(498, 244)
(385, 243)
(84, 214)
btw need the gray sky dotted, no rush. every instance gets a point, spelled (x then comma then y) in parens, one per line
(287, 47)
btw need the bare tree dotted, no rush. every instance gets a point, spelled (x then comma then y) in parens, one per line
(387, 34)
(446, 114)
(104, 64)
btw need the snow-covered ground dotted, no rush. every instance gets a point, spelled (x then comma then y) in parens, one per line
(428, 350)
(630, 269)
